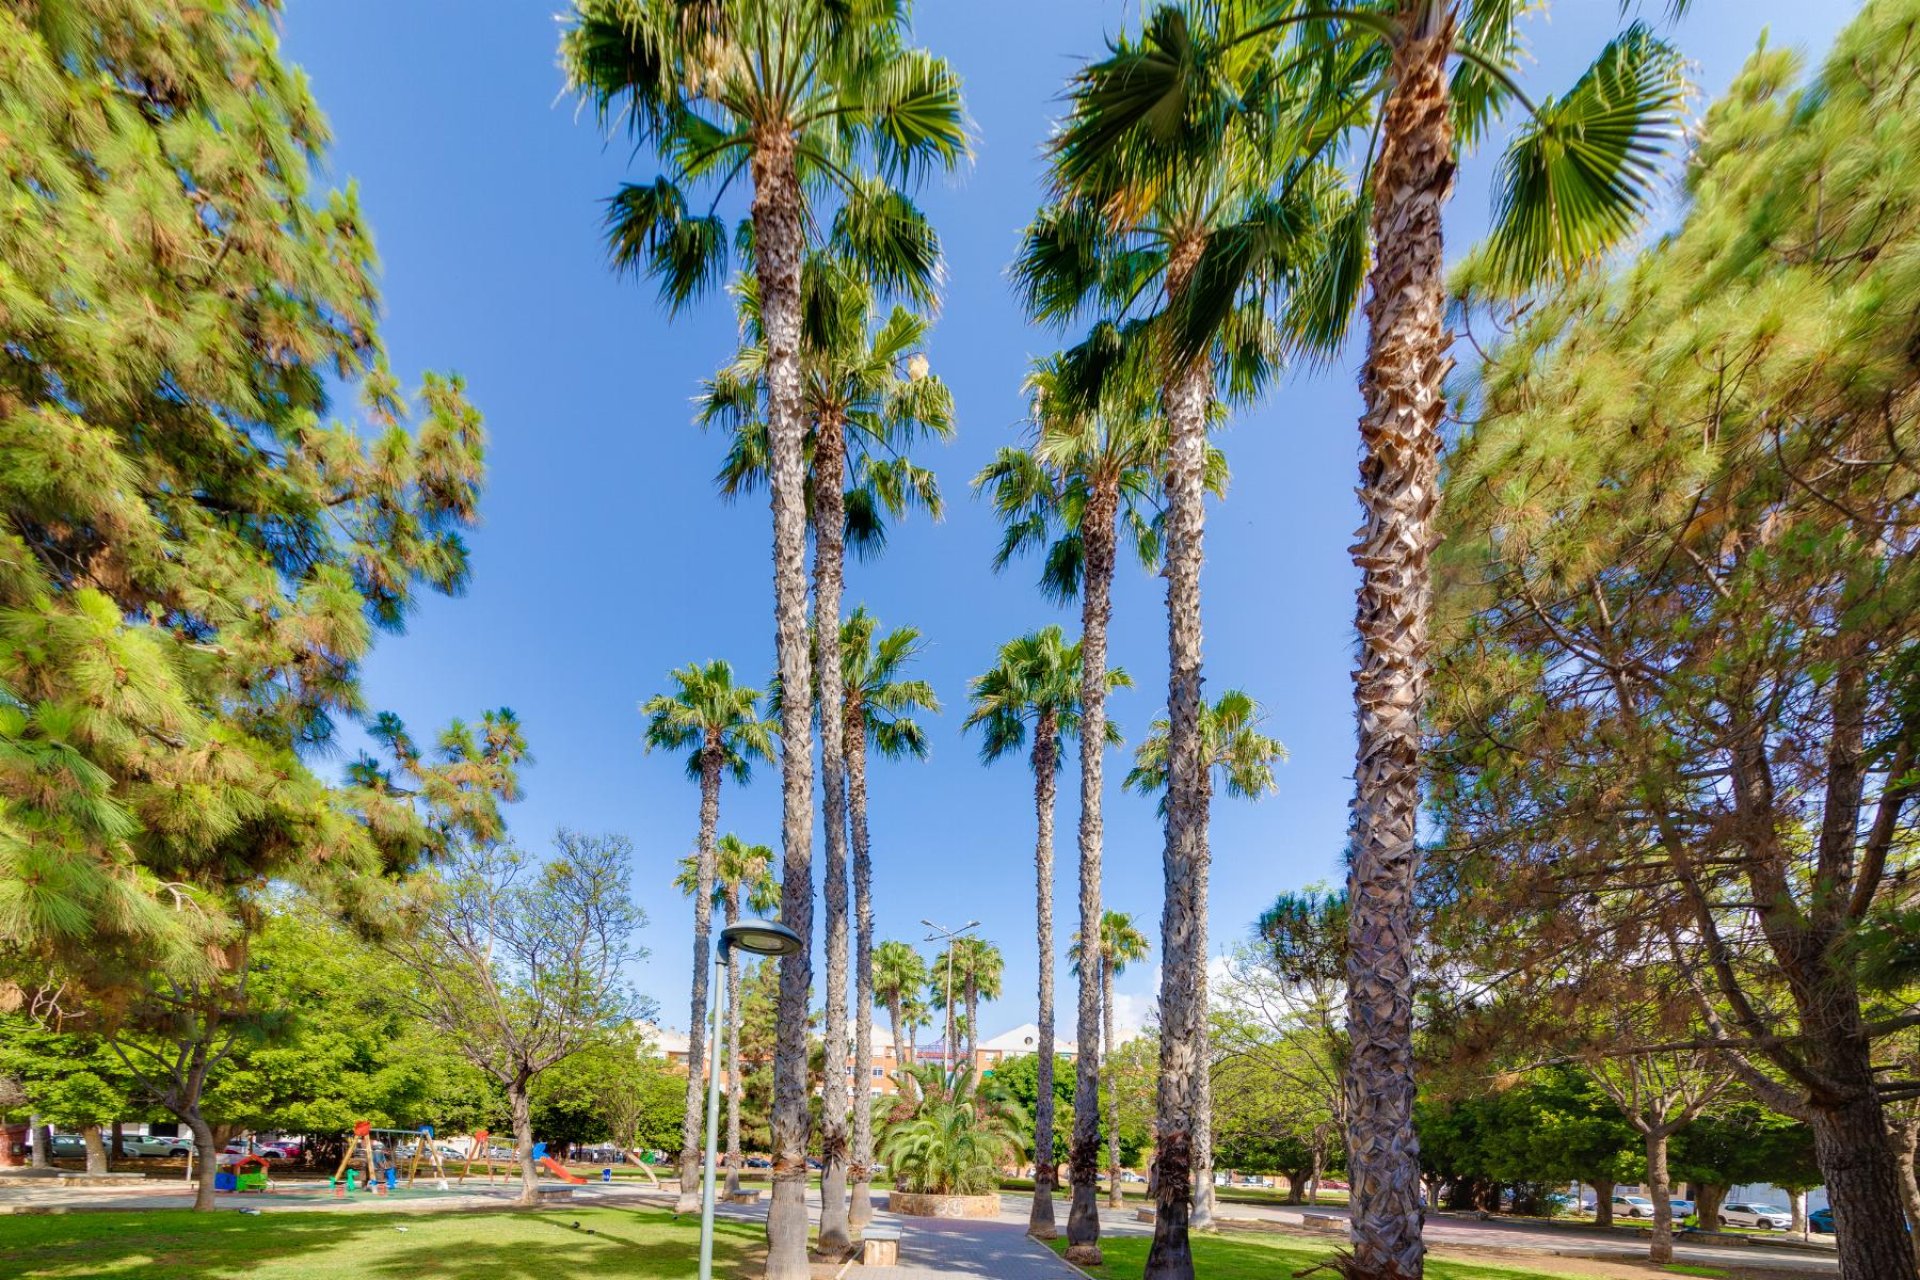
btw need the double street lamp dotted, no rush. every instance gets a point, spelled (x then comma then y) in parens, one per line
(756, 938)
(939, 934)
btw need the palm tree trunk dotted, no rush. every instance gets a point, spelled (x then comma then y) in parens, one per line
(1183, 914)
(1046, 767)
(860, 1205)
(1114, 1199)
(735, 1094)
(1399, 475)
(829, 541)
(1096, 614)
(779, 239)
(896, 1017)
(973, 1021)
(1202, 1219)
(691, 1145)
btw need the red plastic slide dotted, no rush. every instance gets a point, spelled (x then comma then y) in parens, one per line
(559, 1170)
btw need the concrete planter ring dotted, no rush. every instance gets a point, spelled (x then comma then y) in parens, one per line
(913, 1204)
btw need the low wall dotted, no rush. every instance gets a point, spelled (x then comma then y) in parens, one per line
(914, 1205)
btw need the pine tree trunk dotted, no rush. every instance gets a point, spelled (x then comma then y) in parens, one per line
(96, 1149)
(1660, 1191)
(779, 240)
(1114, 1195)
(860, 1206)
(1399, 475)
(206, 1154)
(1182, 928)
(520, 1107)
(735, 1093)
(692, 1145)
(1904, 1138)
(1046, 761)
(829, 541)
(1096, 617)
(1863, 1185)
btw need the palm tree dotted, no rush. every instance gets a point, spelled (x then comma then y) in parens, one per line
(743, 875)
(1037, 682)
(978, 968)
(867, 396)
(718, 724)
(795, 94)
(1088, 472)
(899, 976)
(1233, 748)
(879, 704)
(1179, 238)
(1120, 945)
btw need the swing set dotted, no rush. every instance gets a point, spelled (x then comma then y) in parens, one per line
(383, 1174)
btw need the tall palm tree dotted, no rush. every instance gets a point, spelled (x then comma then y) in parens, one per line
(867, 397)
(797, 95)
(1120, 945)
(1036, 685)
(1234, 750)
(743, 876)
(1179, 237)
(879, 704)
(978, 968)
(718, 724)
(899, 976)
(1088, 472)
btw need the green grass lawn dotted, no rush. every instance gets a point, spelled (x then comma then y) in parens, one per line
(175, 1244)
(1248, 1257)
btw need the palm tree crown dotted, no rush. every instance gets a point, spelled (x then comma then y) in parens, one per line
(707, 710)
(1232, 748)
(881, 702)
(741, 869)
(1036, 677)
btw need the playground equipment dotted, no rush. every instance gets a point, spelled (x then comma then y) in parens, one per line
(246, 1174)
(552, 1166)
(382, 1171)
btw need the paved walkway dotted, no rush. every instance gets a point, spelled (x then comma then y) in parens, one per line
(932, 1249)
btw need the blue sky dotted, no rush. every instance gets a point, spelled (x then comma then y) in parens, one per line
(606, 559)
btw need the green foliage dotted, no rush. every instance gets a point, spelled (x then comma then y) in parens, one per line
(611, 1092)
(1020, 1077)
(1036, 679)
(195, 556)
(1232, 748)
(69, 1080)
(950, 1137)
(1554, 1126)
(1746, 1143)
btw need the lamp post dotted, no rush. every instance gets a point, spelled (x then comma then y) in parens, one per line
(941, 933)
(756, 938)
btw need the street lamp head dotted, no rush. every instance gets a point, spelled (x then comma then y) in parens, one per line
(760, 938)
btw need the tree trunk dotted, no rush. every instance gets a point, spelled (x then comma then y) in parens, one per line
(1296, 1185)
(96, 1149)
(1182, 921)
(735, 1092)
(973, 1021)
(118, 1147)
(1863, 1186)
(1319, 1154)
(42, 1143)
(1797, 1204)
(829, 540)
(1096, 616)
(1399, 474)
(1114, 1194)
(1046, 761)
(1904, 1137)
(779, 240)
(1660, 1191)
(692, 1143)
(520, 1103)
(860, 1205)
(1708, 1198)
(900, 1055)
(1603, 1203)
(206, 1154)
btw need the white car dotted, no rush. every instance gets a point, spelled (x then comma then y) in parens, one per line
(150, 1145)
(1767, 1217)
(1633, 1206)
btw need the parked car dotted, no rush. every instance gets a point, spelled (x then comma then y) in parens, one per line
(758, 1162)
(1682, 1207)
(154, 1145)
(1632, 1207)
(1821, 1221)
(67, 1144)
(1767, 1217)
(1128, 1175)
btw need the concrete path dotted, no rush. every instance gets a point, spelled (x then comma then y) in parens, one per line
(933, 1249)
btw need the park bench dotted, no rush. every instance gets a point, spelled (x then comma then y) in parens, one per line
(880, 1246)
(1323, 1222)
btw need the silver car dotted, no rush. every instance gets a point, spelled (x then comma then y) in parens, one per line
(1767, 1217)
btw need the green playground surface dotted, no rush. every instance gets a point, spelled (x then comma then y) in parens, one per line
(176, 1244)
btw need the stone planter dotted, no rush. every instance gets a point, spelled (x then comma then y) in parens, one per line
(914, 1205)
